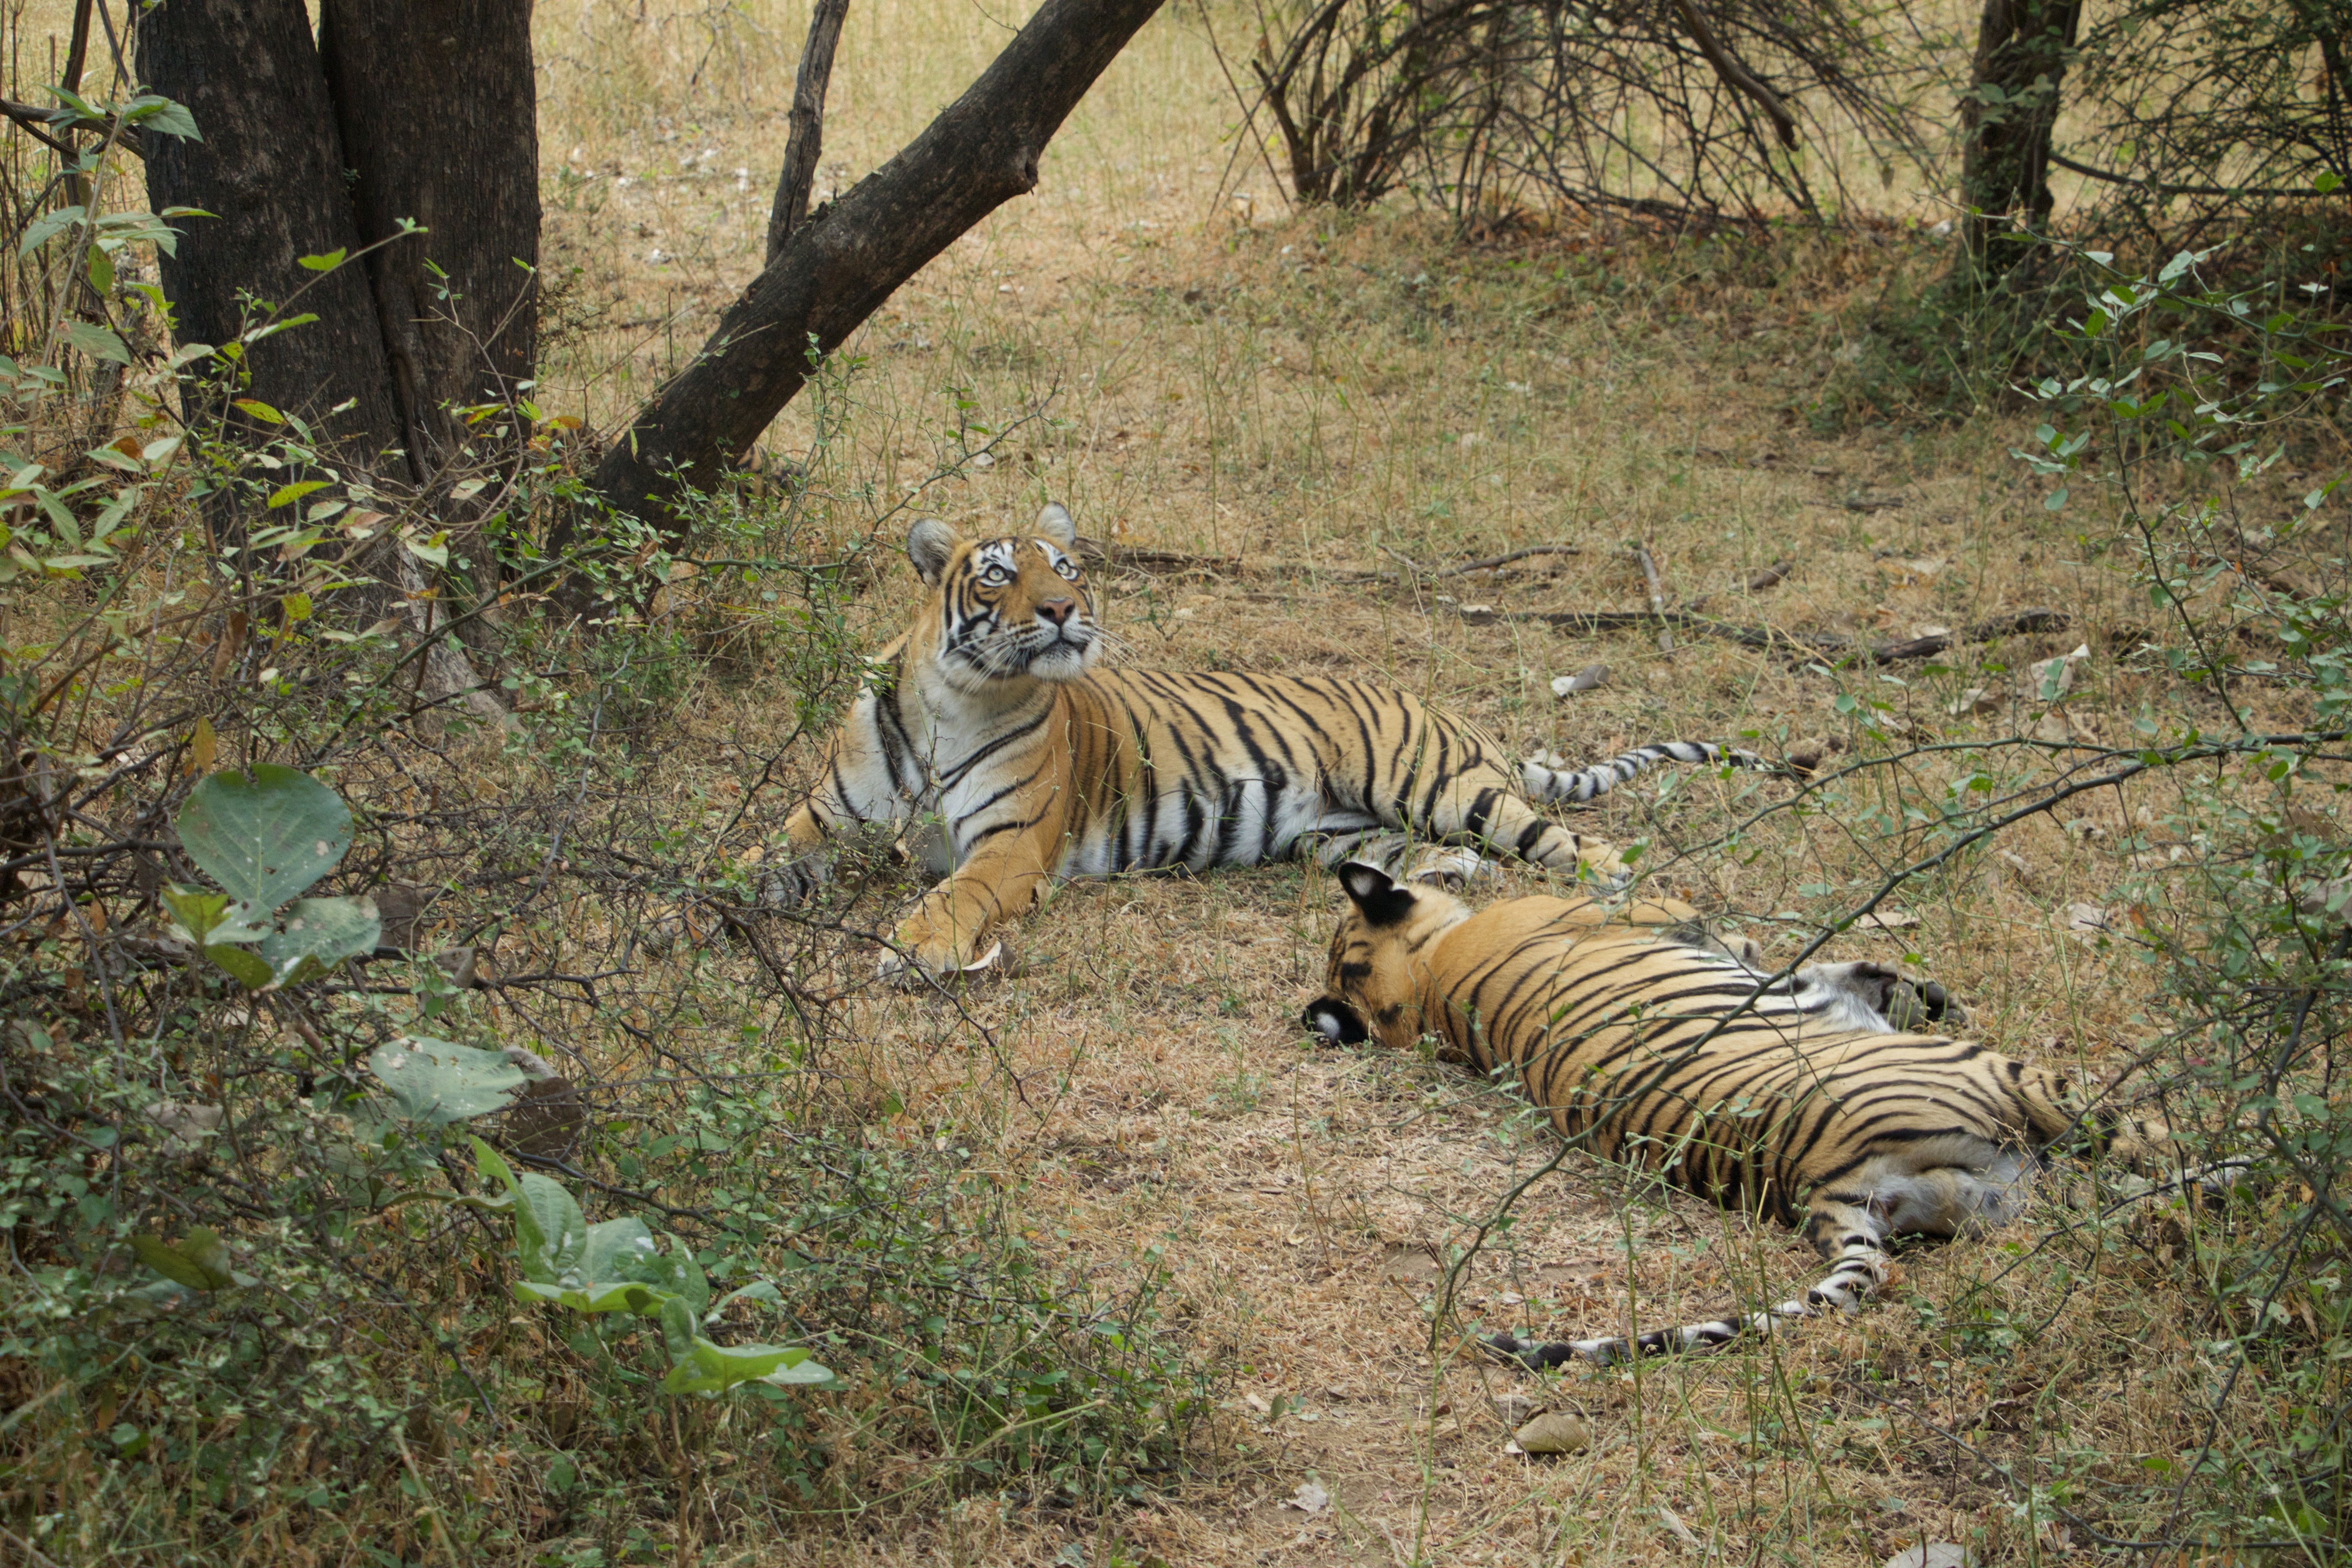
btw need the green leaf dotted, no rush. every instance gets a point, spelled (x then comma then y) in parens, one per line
(200, 1261)
(198, 913)
(96, 341)
(47, 228)
(164, 117)
(326, 263)
(709, 1368)
(102, 268)
(247, 968)
(259, 410)
(2325, 182)
(493, 1165)
(316, 934)
(2057, 500)
(437, 1083)
(295, 491)
(266, 838)
(550, 1229)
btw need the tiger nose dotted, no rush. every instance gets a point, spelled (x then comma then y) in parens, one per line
(1058, 611)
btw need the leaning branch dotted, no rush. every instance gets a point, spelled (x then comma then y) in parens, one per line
(1811, 644)
(1734, 74)
(837, 268)
(798, 181)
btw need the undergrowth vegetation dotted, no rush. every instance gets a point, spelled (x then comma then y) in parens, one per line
(1105, 1264)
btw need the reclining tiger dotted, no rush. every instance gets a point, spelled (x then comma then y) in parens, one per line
(988, 719)
(1655, 1044)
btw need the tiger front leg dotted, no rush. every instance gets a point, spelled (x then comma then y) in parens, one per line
(1002, 877)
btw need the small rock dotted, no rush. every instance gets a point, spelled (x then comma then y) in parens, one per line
(1932, 1554)
(2048, 679)
(1771, 576)
(1886, 919)
(1309, 1498)
(2087, 918)
(1478, 615)
(1257, 1403)
(1974, 699)
(1514, 1408)
(1554, 1432)
(1930, 630)
(1591, 677)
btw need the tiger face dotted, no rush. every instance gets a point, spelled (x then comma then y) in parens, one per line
(1007, 608)
(1374, 987)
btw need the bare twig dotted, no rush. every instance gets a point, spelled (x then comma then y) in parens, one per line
(1771, 576)
(799, 178)
(1641, 553)
(1810, 644)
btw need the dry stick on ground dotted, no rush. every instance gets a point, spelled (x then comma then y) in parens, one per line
(1810, 645)
(794, 185)
(1641, 552)
(1492, 563)
(1771, 576)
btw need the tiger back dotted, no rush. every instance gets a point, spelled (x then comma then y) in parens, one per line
(988, 720)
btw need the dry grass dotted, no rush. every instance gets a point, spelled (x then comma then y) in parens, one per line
(1320, 396)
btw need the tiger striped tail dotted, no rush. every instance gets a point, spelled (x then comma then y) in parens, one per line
(1548, 781)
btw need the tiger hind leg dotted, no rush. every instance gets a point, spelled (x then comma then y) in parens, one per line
(1858, 1267)
(1850, 1227)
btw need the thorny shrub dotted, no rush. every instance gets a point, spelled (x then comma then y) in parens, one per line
(359, 1379)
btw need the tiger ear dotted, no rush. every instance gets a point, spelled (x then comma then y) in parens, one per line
(1054, 523)
(1379, 897)
(930, 544)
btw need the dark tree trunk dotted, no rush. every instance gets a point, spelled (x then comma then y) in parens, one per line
(2022, 49)
(850, 256)
(270, 170)
(436, 113)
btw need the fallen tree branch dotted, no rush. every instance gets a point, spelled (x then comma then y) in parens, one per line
(1812, 644)
(1492, 563)
(1093, 553)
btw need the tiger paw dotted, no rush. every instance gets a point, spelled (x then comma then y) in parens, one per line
(1001, 960)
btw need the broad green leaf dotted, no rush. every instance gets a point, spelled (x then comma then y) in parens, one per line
(550, 1229)
(710, 1368)
(198, 913)
(295, 491)
(96, 342)
(47, 228)
(2325, 182)
(101, 269)
(266, 838)
(200, 1261)
(259, 410)
(434, 552)
(162, 116)
(326, 263)
(316, 934)
(436, 1082)
(618, 1249)
(245, 967)
(630, 1296)
(493, 1165)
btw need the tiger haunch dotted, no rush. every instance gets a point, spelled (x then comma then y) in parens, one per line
(989, 721)
(1652, 1043)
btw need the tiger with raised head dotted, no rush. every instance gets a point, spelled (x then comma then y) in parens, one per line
(1655, 1044)
(989, 719)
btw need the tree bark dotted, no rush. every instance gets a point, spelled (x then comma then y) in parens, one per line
(807, 142)
(436, 114)
(270, 170)
(851, 255)
(2022, 49)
